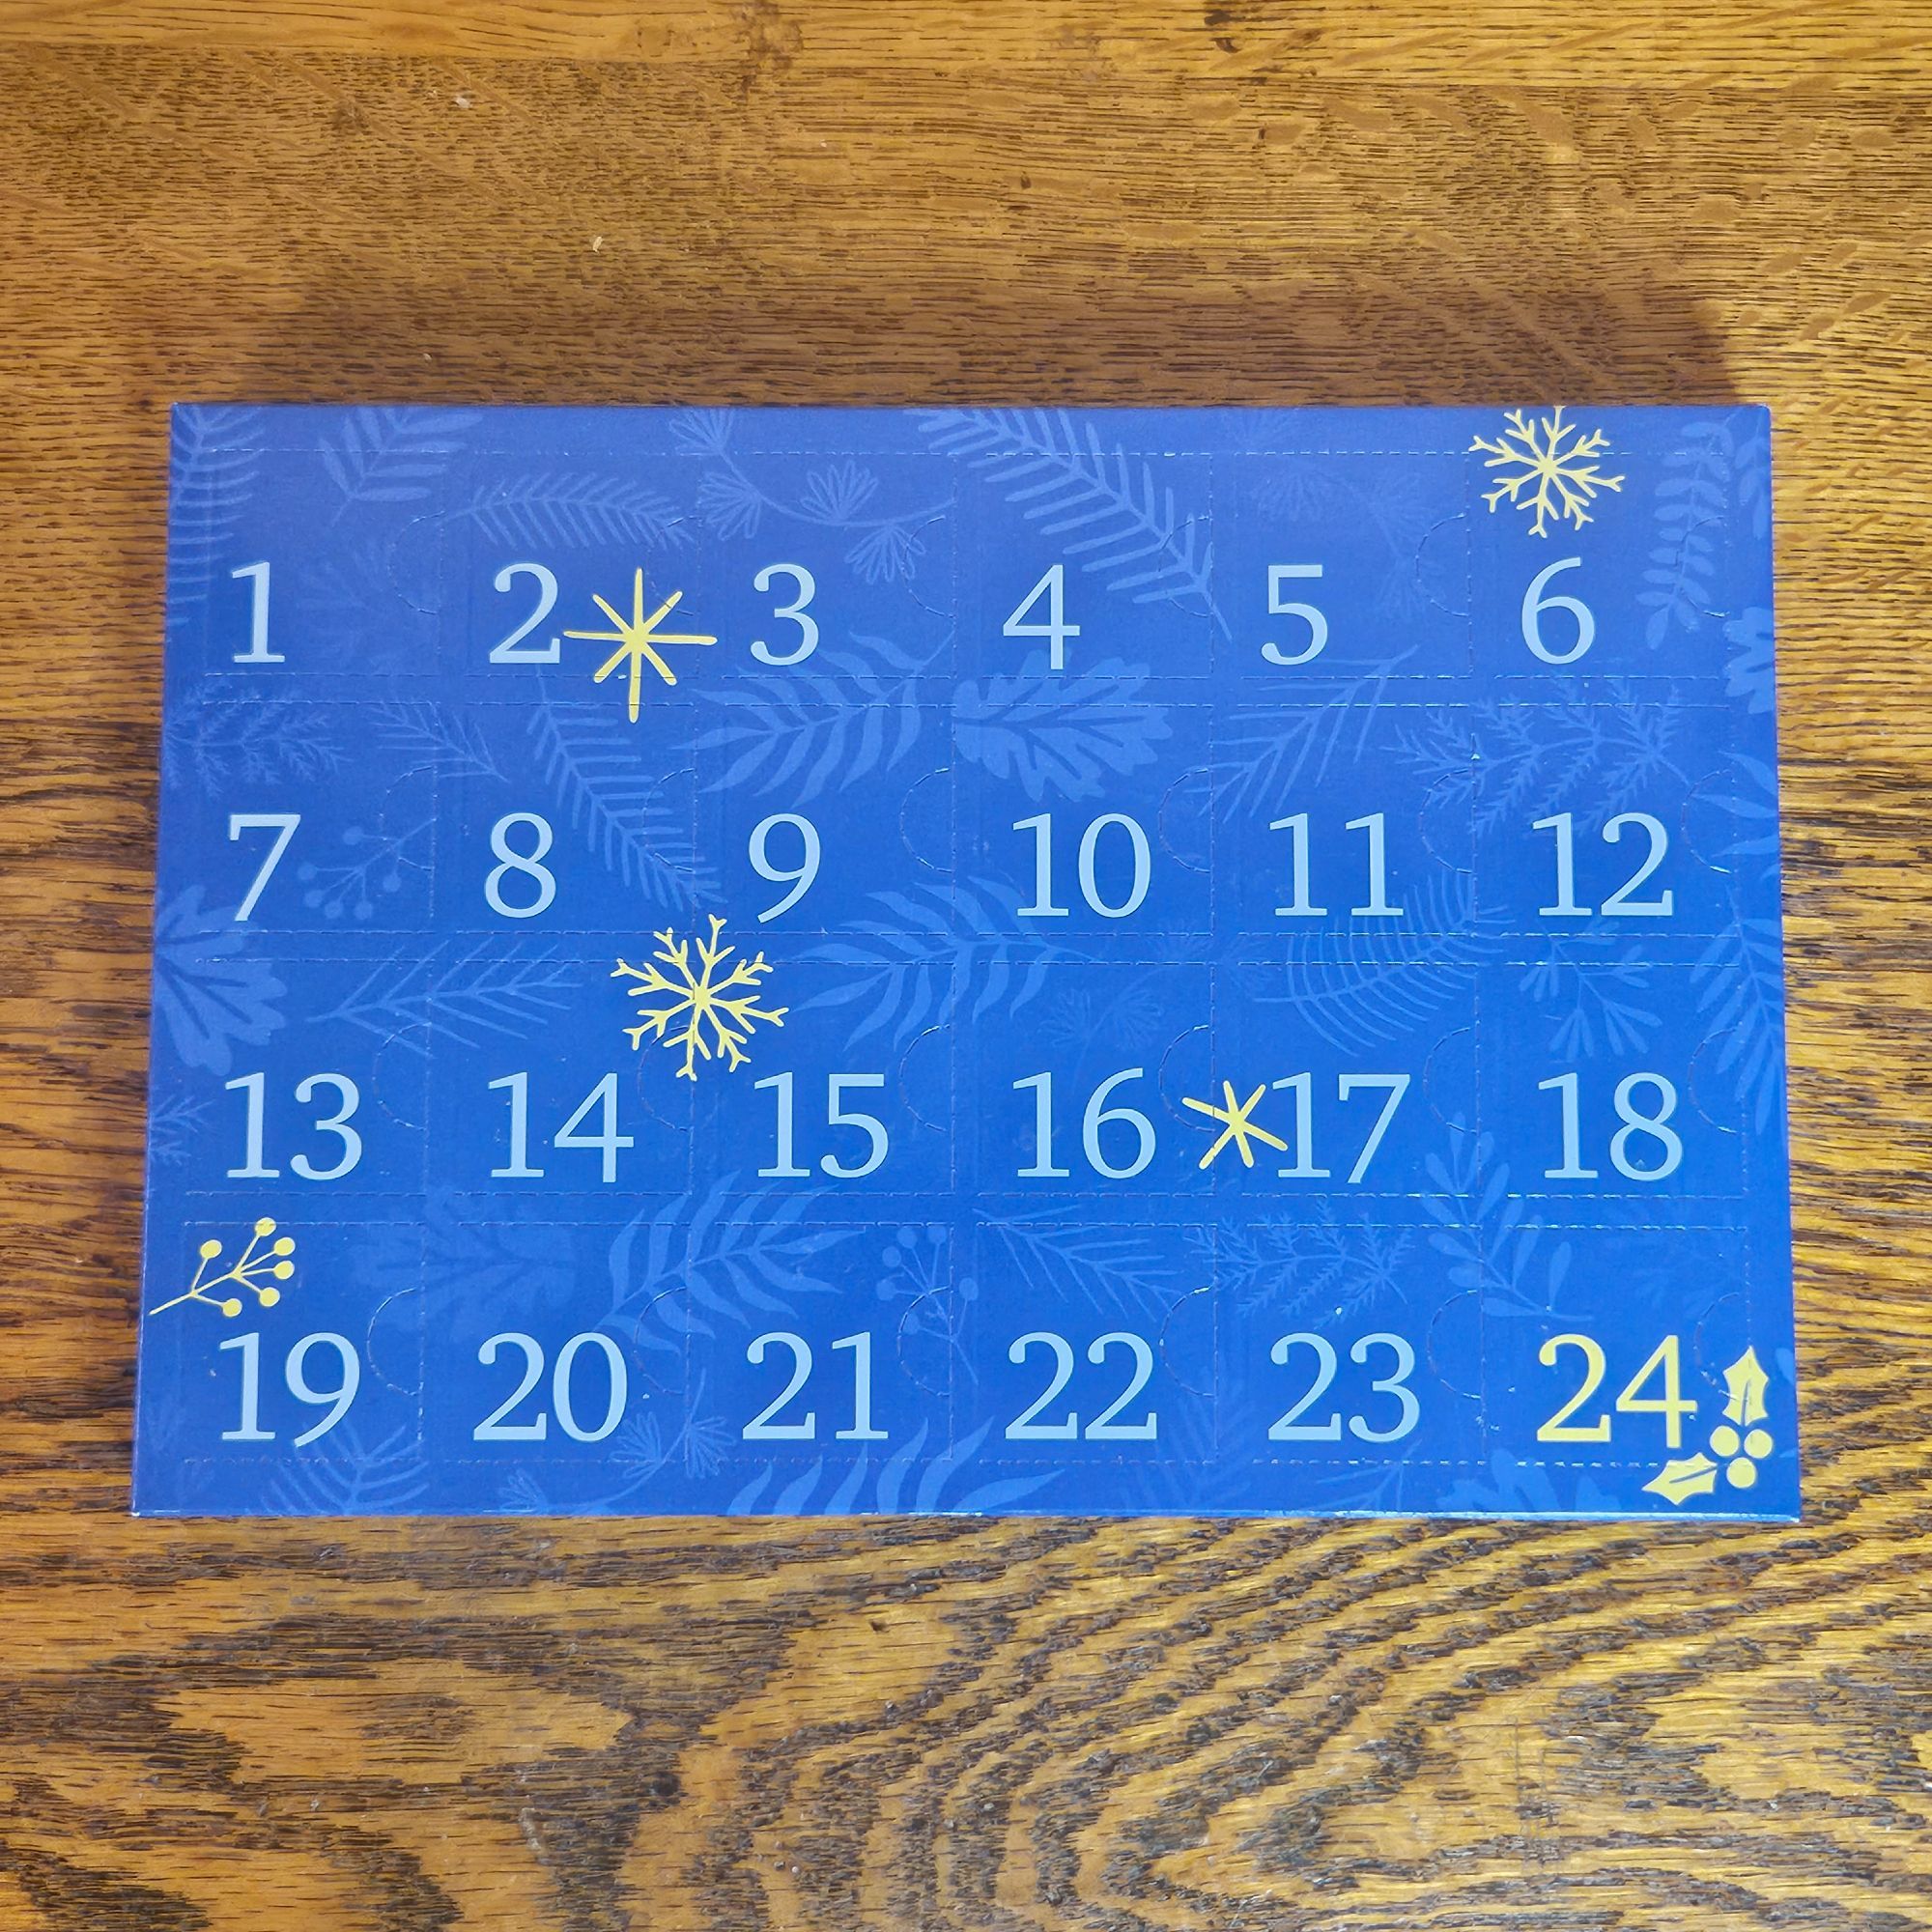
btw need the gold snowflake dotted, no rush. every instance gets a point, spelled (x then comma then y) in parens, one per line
(1543, 453)
(698, 998)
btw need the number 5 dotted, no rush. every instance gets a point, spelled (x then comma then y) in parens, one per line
(1280, 607)
(282, 822)
(837, 1115)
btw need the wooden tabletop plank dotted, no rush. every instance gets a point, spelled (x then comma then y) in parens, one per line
(1730, 44)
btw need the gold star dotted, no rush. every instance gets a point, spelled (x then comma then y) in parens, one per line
(1239, 1127)
(635, 639)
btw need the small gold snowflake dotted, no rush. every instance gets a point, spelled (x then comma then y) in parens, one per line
(1545, 454)
(697, 998)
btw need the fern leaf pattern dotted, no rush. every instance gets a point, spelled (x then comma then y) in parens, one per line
(213, 465)
(1116, 520)
(461, 993)
(1694, 499)
(933, 955)
(854, 714)
(620, 806)
(735, 1262)
(392, 455)
(575, 511)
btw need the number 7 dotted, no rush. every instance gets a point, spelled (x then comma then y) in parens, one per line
(1397, 1085)
(284, 824)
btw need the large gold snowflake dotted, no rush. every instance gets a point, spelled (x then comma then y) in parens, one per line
(1553, 456)
(695, 998)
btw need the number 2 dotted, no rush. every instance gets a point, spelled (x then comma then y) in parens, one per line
(512, 651)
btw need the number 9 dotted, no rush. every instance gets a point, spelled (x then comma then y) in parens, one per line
(340, 1396)
(803, 874)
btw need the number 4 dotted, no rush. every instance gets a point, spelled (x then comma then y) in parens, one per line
(1673, 1404)
(284, 824)
(1056, 630)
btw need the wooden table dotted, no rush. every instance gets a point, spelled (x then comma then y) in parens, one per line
(943, 1723)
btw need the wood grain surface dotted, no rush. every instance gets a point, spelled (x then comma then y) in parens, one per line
(936, 1724)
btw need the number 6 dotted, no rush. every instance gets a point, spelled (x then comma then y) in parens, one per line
(1535, 603)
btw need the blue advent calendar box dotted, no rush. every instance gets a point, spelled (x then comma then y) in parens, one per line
(827, 961)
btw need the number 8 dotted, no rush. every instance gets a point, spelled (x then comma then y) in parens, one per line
(1634, 1122)
(519, 862)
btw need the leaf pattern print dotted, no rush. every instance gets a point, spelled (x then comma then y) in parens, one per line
(210, 996)
(1315, 1262)
(619, 803)
(391, 455)
(1740, 982)
(1594, 760)
(1276, 748)
(899, 1484)
(1107, 1266)
(212, 467)
(463, 993)
(1116, 520)
(935, 952)
(734, 503)
(1608, 1004)
(353, 1477)
(1747, 671)
(274, 741)
(567, 511)
(733, 1262)
(1389, 983)
(440, 741)
(1718, 479)
(854, 714)
(1052, 733)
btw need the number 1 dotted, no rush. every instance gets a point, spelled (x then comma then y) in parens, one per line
(258, 651)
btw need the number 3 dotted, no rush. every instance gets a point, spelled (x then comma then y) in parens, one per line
(808, 625)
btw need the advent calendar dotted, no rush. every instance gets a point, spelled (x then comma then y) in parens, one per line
(822, 961)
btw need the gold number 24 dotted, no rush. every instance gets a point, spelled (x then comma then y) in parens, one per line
(1664, 1361)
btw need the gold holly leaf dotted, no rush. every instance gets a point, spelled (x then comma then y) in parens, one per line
(1747, 1382)
(1684, 1477)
